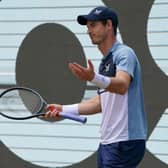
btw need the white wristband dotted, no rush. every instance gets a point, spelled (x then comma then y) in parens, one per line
(101, 81)
(71, 108)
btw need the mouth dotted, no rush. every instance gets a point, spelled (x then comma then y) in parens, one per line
(92, 37)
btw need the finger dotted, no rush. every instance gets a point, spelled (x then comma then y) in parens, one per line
(47, 114)
(54, 114)
(90, 64)
(50, 107)
(76, 70)
(77, 67)
(51, 114)
(72, 68)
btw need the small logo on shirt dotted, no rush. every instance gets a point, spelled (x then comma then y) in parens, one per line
(107, 67)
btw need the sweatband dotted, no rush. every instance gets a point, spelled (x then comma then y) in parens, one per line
(101, 81)
(71, 108)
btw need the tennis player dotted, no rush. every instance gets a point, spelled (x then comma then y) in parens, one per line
(120, 95)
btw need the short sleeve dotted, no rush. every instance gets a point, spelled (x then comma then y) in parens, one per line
(126, 61)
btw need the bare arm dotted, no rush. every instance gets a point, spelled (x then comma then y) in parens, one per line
(91, 106)
(118, 84)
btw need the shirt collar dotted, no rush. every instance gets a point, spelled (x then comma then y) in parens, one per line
(112, 49)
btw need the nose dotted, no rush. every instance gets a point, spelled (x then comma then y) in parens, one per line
(88, 31)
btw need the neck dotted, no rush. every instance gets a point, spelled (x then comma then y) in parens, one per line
(105, 46)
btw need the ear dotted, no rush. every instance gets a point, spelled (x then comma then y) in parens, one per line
(110, 26)
(109, 23)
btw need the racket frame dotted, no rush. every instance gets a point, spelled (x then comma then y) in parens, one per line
(37, 114)
(80, 119)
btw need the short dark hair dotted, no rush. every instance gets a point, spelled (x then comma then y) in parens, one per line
(104, 22)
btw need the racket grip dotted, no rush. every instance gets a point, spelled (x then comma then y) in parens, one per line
(70, 116)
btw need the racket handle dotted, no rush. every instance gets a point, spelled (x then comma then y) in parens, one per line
(73, 117)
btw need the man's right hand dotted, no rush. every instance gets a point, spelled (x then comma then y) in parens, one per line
(53, 110)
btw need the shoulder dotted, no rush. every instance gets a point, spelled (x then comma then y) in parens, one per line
(124, 52)
(124, 49)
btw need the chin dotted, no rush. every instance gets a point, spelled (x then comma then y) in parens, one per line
(95, 42)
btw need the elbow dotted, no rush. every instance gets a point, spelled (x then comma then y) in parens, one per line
(123, 90)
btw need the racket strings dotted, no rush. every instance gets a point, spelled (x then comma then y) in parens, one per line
(36, 108)
(20, 103)
(31, 101)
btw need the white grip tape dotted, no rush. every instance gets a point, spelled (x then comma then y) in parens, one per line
(71, 108)
(101, 81)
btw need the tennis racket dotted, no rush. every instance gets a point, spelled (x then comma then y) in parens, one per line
(21, 103)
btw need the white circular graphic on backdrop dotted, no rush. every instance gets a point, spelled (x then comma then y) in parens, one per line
(56, 144)
(65, 143)
(157, 29)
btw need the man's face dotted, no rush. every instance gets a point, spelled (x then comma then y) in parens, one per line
(97, 31)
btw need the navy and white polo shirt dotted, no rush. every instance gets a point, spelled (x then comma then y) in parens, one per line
(123, 116)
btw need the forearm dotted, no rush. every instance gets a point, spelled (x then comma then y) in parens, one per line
(87, 107)
(91, 106)
(118, 84)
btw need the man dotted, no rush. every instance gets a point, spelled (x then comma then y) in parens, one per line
(120, 96)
